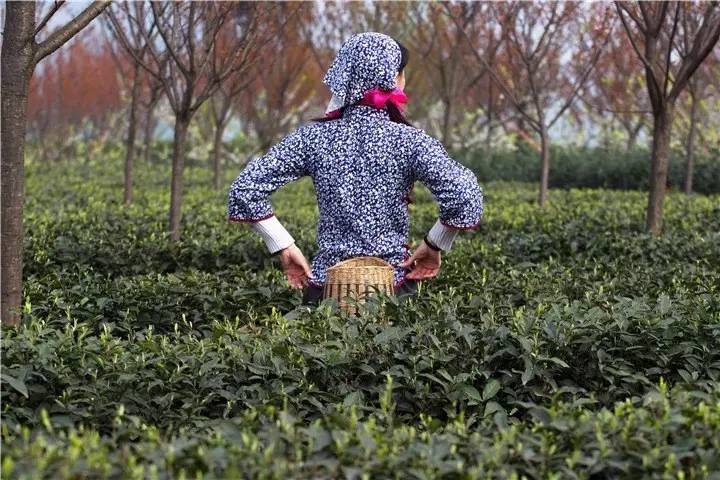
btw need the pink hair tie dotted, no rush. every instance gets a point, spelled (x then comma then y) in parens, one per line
(378, 98)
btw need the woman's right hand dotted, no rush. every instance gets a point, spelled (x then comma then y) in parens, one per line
(425, 263)
(295, 266)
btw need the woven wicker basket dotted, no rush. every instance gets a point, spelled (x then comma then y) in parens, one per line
(355, 279)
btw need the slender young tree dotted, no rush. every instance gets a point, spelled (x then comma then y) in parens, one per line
(152, 93)
(130, 69)
(283, 88)
(221, 107)
(439, 43)
(190, 62)
(654, 30)
(21, 52)
(130, 141)
(544, 41)
(697, 89)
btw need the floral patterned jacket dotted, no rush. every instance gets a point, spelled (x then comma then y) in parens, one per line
(363, 166)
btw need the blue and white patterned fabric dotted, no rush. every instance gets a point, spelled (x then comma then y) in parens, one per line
(365, 61)
(363, 166)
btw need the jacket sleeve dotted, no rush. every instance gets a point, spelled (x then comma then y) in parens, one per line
(248, 199)
(453, 185)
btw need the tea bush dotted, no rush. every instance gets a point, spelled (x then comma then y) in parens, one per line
(596, 167)
(557, 343)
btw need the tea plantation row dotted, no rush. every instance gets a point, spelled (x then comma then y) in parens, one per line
(596, 167)
(563, 343)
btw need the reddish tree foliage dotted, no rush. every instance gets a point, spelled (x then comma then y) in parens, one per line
(442, 55)
(78, 87)
(284, 86)
(258, 82)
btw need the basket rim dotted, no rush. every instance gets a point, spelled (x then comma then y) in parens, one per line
(379, 263)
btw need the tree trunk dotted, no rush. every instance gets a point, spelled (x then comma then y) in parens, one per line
(130, 144)
(217, 153)
(519, 140)
(17, 66)
(690, 146)
(148, 134)
(182, 121)
(545, 168)
(490, 111)
(42, 151)
(633, 136)
(446, 122)
(662, 127)
(87, 138)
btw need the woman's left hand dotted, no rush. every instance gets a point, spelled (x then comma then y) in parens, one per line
(425, 263)
(295, 266)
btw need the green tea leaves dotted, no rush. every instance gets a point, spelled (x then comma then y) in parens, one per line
(18, 385)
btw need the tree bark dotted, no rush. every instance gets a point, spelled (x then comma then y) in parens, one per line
(18, 53)
(58, 38)
(130, 143)
(217, 153)
(545, 166)
(446, 121)
(690, 146)
(633, 133)
(490, 111)
(149, 127)
(662, 128)
(182, 122)
(87, 138)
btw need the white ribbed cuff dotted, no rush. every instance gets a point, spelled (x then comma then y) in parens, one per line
(442, 236)
(273, 233)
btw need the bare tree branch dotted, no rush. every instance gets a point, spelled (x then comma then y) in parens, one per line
(640, 24)
(141, 39)
(66, 32)
(668, 61)
(170, 46)
(648, 66)
(508, 93)
(56, 6)
(705, 40)
(583, 78)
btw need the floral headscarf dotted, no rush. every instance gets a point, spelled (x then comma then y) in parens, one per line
(365, 61)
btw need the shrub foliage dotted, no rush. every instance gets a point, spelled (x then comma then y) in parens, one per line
(581, 167)
(562, 343)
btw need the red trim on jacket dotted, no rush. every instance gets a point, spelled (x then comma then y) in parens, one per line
(249, 220)
(472, 227)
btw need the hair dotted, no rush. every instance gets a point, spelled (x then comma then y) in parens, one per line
(404, 56)
(395, 114)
